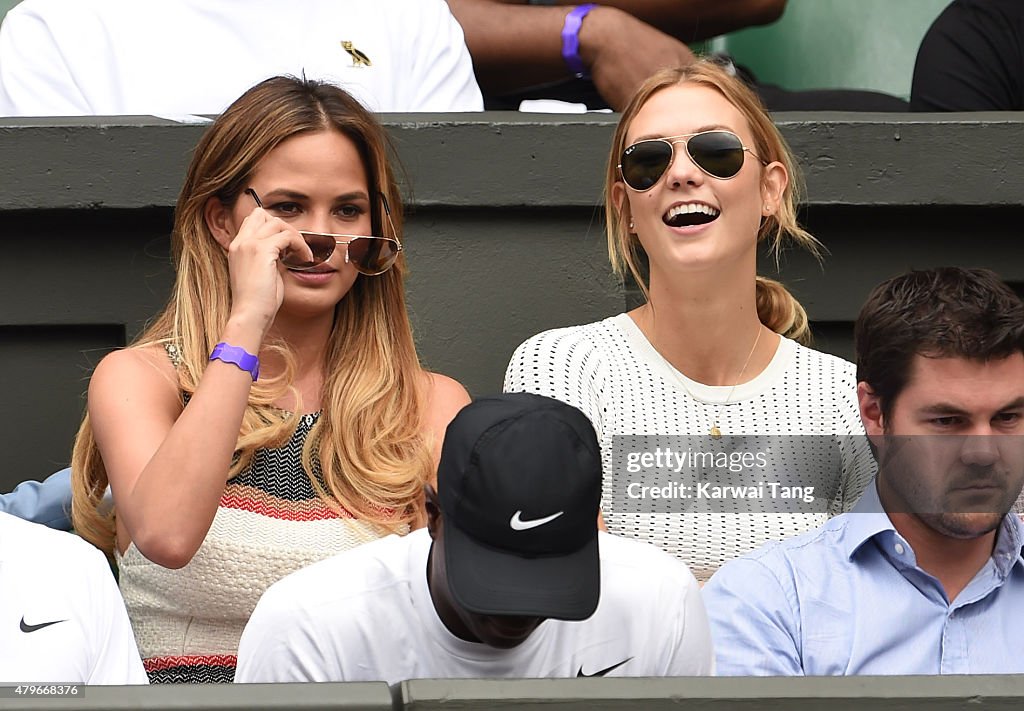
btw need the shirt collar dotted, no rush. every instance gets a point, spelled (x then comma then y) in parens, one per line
(868, 519)
(1009, 542)
(865, 521)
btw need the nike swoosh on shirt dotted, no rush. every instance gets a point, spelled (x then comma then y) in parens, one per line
(603, 671)
(33, 628)
(518, 524)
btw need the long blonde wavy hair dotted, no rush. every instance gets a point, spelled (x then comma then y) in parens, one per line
(367, 453)
(776, 307)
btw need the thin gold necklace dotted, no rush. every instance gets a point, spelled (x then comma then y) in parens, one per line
(716, 432)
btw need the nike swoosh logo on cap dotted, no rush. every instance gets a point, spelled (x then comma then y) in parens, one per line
(518, 524)
(32, 628)
(603, 671)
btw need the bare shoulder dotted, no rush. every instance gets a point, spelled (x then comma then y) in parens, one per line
(129, 363)
(444, 397)
(134, 400)
(128, 374)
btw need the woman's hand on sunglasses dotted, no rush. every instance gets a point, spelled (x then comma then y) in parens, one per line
(257, 288)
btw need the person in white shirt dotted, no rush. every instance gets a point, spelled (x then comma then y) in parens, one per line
(118, 57)
(62, 619)
(698, 180)
(509, 579)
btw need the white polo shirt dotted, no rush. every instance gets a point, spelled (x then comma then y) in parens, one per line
(366, 615)
(153, 57)
(62, 619)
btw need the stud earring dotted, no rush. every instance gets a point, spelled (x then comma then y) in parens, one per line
(631, 223)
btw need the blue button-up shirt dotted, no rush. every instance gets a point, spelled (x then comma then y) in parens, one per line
(47, 502)
(848, 598)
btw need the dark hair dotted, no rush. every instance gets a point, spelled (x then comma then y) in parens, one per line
(948, 312)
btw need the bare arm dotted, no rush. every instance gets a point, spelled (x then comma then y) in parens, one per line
(168, 465)
(519, 46)
(692, 20)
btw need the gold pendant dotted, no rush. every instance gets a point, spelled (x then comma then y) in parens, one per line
(715, 432)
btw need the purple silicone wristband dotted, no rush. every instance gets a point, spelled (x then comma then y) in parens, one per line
(571, 39)
(237, 356)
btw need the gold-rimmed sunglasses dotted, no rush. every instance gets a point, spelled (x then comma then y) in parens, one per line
(717, 153)
(370, 255)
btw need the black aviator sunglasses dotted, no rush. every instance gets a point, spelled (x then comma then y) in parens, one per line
(369, 255)
(717, 153)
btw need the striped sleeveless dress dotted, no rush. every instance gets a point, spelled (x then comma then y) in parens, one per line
(269, 523)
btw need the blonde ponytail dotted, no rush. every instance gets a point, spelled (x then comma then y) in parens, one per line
(781, 312)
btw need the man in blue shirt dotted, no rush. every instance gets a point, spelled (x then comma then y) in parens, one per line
(925, 576)
(47, 502)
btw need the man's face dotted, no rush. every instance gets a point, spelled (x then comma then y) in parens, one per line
(950, 452)
(499, 631)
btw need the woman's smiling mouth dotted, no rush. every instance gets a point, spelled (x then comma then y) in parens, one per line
(690, 214)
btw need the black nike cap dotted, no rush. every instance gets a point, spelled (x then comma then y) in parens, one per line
(519, 485)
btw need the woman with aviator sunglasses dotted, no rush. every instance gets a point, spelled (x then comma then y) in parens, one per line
(698, 176)
(276, 412)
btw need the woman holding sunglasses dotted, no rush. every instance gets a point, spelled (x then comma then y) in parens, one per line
(276, 412)
(698, 176)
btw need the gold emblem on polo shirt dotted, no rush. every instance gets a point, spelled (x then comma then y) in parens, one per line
(359, 59)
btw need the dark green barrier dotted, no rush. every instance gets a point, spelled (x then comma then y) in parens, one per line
(505, 237)
(979, 693)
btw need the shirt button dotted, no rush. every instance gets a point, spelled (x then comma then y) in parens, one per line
(899, 548)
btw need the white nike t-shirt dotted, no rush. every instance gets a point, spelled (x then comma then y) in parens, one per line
(62, 619)
(366, 615)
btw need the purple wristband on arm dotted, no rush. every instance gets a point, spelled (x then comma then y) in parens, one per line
(237, 356)
(571, 40)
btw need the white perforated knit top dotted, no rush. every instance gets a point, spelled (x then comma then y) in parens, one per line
(805, 400)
